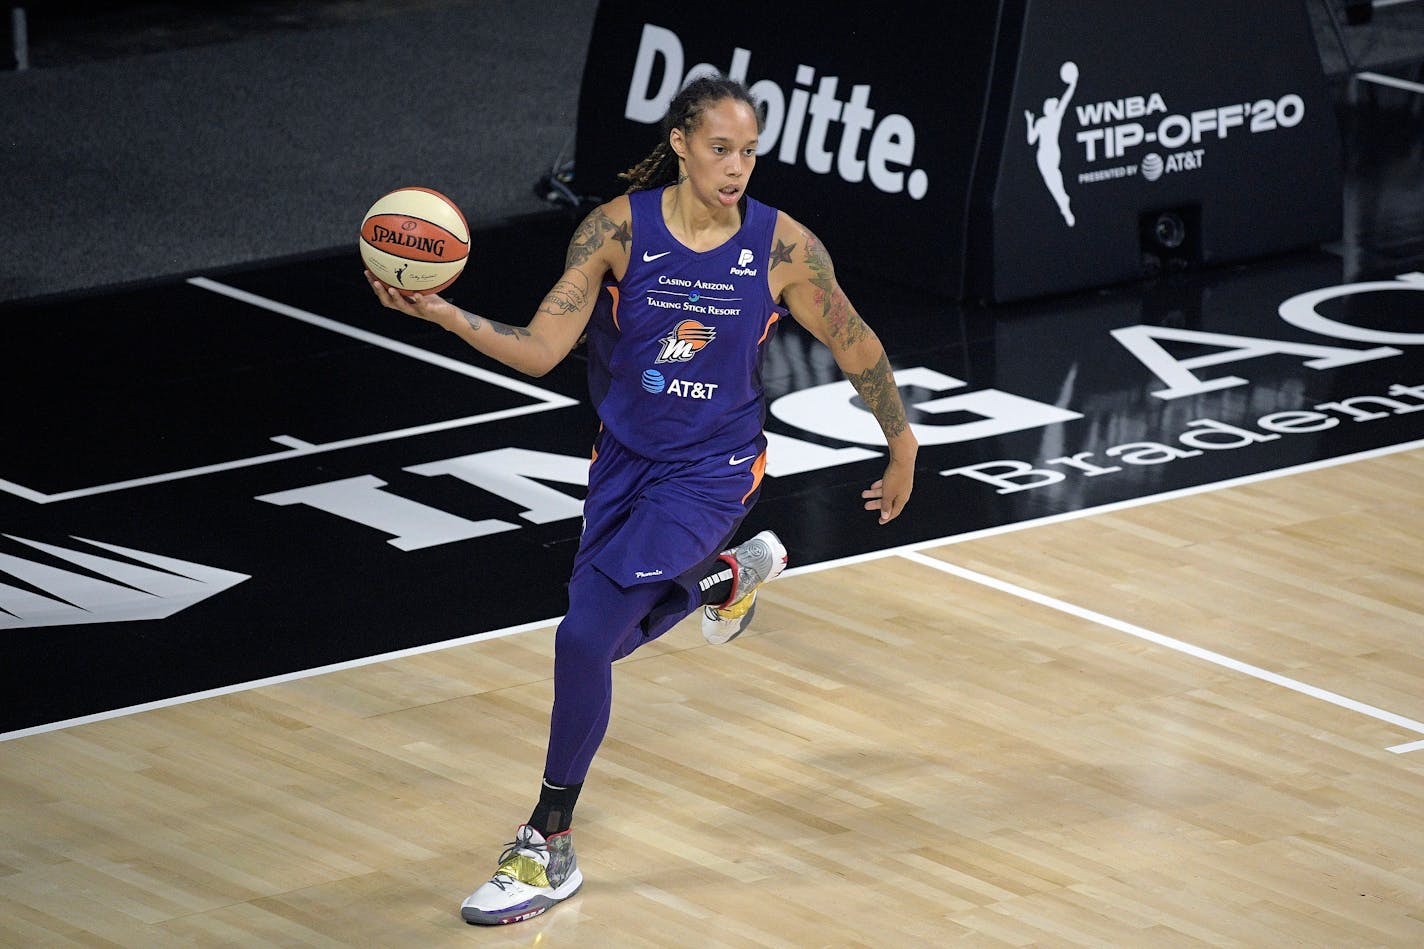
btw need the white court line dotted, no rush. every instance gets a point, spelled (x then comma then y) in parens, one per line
(793, 571)
(1216, 658)
(382, 342)
(294, 452)
(276, 680)
(1113, 507)
(1383, 80)
(545, 400)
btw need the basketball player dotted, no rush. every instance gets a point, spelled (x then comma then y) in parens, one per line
(678, 285)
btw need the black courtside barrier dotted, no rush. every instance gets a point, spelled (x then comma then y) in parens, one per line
(999, 149)
(1127, 137)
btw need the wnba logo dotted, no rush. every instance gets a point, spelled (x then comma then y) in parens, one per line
(685, 341)
(1043, 131)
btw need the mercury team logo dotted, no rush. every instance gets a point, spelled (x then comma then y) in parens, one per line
(685, 341)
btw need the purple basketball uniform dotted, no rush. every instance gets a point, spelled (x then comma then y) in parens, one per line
(675, 357)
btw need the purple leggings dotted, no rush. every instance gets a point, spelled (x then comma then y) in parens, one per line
(652, 530)
(604, 624)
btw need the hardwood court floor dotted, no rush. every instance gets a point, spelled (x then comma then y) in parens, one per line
(898, 756)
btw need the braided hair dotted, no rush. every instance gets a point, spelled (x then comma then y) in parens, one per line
(685, 112)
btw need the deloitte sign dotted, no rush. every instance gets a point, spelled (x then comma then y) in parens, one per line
(872, 146)
(852, 140)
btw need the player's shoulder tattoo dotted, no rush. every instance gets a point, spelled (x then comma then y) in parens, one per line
(602, 224)
(781, 253)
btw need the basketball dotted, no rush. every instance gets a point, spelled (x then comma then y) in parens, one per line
(415, 239)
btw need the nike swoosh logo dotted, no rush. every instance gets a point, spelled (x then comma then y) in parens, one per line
(734, 460)
(649, 258)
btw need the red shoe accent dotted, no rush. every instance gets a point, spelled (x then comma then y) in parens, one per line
(730, 559)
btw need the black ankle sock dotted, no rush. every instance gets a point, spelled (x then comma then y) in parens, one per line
(555, 811)
(717, 586)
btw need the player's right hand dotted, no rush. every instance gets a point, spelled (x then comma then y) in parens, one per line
(427, 306)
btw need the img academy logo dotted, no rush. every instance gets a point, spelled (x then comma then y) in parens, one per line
(57, 596)
(1139, 136)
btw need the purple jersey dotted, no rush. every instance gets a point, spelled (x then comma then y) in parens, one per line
(676, 346)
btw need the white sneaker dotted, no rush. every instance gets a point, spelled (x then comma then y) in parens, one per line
(533, 875)
(758, 561)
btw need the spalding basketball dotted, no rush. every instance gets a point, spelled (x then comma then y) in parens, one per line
(415, 239)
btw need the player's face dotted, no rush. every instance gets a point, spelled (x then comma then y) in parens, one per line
(720, 153)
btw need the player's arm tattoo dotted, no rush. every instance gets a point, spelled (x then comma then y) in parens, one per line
(623, 234)
(588, 238)
(503, 329)
(781, 253)
(569, 295)
(591, 234)
(876, 387)
(843, 324)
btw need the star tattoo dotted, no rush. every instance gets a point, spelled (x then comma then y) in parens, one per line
(622, 235)
(781, 254)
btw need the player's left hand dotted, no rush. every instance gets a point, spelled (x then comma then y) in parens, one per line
(890, 494)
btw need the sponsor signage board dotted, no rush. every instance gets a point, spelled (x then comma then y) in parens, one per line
(1198, 133)
(870, 133)
(1015, 149)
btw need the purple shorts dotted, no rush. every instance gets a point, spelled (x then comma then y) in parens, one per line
(648, 521)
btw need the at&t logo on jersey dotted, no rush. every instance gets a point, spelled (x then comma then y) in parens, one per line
(685, 341)
(692, 390)
(654, 382)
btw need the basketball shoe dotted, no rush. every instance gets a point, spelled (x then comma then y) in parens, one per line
(533, 875)
(759, 560)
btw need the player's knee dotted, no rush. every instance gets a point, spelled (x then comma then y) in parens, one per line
(582, 640)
